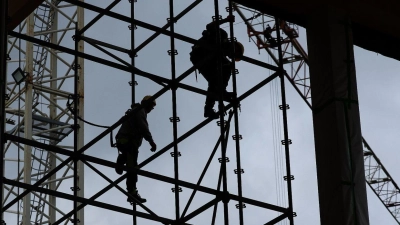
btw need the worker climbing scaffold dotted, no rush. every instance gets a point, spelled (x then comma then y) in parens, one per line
(210, 62)
(129, 139)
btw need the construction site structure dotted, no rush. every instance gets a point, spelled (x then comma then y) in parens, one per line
(43, 119)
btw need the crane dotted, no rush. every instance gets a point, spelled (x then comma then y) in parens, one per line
(376, 175)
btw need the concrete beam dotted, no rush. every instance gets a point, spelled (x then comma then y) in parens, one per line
(337, 129)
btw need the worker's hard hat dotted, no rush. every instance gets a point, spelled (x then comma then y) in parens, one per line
(239, 51)
(147, 97)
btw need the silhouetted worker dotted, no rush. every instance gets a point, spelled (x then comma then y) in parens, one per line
(289, 31)
(129, 139)
(267, 33)
(209, 63)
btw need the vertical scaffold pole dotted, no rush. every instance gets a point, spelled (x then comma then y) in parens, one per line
(133, 53)
(286, 140)
(133, 82)
(53, 116)
(236, 104)
(225, 198)
(172, 53)
(76, 99)
(80, 111)
(28, 117)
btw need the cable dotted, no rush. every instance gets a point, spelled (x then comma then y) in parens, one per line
(93, 124)
(112, 144)
(85, 121)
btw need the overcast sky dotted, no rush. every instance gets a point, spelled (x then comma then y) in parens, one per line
(107, 97)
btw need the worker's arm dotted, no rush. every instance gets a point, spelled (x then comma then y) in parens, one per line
(144, 129)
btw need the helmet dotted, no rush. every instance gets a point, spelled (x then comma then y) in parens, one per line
(239, 50)
(146, 98)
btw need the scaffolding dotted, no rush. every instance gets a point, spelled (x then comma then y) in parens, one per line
(37, 133)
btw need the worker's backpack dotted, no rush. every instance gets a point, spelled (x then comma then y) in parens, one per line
(199, 49)
(205, 45)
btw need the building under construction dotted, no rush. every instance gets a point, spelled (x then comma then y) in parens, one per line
(71, 69)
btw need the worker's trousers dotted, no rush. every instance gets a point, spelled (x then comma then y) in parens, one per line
(211, 74)
(130, 152)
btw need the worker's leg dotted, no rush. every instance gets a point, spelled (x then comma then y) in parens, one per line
(121, 159)
(132, 177)
(209, 73)
(227, 73)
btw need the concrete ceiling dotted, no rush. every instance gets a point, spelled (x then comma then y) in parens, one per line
(19, 10)
(376, 24)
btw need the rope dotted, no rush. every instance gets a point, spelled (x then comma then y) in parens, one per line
(85, 121)
(112, 144)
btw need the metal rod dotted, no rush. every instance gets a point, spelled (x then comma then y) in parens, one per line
(89, 57)
(133, 78)
(141, 172)
(128, 20)
(76, 128)
(29, 68)
(236, 120)
(207, 165)
(200, 210)
(172, 52)
(174, 20)
(87, 202)
(221, 111)
(285, 125)
(98, 194)
(220, 175)
(107, 45)
(118, 187)
(89, 41)
(101, 14)
(277, 219)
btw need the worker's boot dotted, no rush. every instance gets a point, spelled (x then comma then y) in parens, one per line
(137, 197)
(210, 113)
(209, 107)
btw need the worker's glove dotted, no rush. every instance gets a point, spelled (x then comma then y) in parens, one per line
(230, 18)
(153, 146)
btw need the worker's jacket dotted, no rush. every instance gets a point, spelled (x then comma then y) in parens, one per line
(134, 129)
(206, 47)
